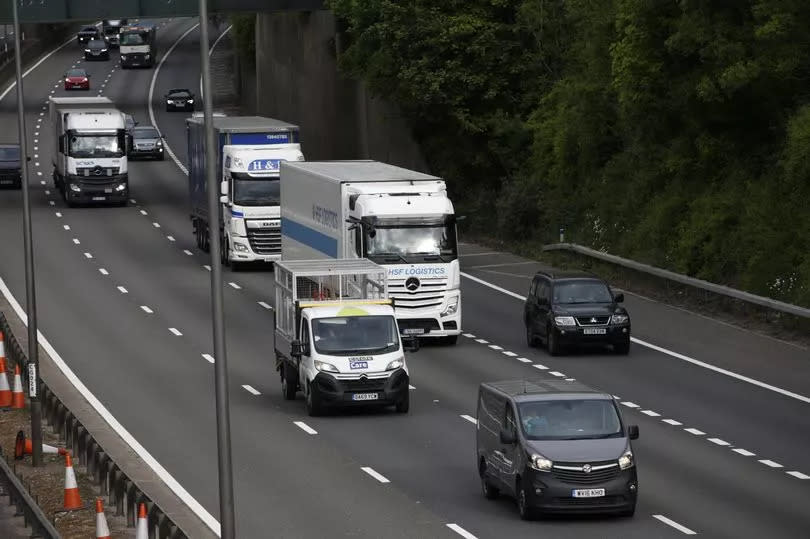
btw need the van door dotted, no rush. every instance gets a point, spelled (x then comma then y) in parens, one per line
(543, 302)
(306, 366)
(508, 452)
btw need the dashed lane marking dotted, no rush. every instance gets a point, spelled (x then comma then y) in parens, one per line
(156, 225)
(370, 471)
(123, 290)
(524, 360)
(146, 309)
(508, 353)
(469, 335)
(495, 347)
(631, 404)
(88, 255)
(170, 238)
(558, 374)
(482, 341)
(144, 212)
(176, 332)
(66, 227)
(799, 475)
(265, 305)
(206, 266)
(189, 253)
(469, 418)
(770, 463)
(743, 452)
(540, 367)
(234, 285)
(103, 271)
(304, 427)
(696, 432)
(208, 357)
(718, 441)
(461, 531)
(250, 389)
(683, 529)
(672, 422)
(650, 413)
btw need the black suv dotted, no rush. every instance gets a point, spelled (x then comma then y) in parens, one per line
(179, 99)
(570, 308)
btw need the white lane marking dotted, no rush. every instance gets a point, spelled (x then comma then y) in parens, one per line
(370, 471)
(469, 335)
(539, 366)
(510, 354)
(650, 413)
(469, 418)
(479, 254)
(176, 332)
(189, 253)
(631, 404)
(133, 200)
(304, 427)
(250, 389)
(771, 464)
(696, 432)
(208, 357)
(143, 212)
(670, 353)
(146, 309)
(524, 360)
(265, 305)
(66, 227)
(570, 379)
(743, 452)
(410, 387)
(482, 341)
(103, 271)
(558, 374)
(206, 266)
(170, 238)
(102, 410)
(234, 285)
(672, 422)
(683, 529)
(47, 192)
(495, 347)
(151, 101)
(718, 441)
(123, 290)
(798, 475)
(210, 52)
(156, 225)
(461, 531)
(88, 255)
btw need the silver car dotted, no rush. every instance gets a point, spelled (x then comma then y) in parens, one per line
(146, 141)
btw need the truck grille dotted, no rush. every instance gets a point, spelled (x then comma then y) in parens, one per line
(427, 295)
(265, 241)
(592, 320)
(579, 477)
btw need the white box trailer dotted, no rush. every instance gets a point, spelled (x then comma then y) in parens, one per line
(399, 218)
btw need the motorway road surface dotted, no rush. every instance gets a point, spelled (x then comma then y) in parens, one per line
(123, 296)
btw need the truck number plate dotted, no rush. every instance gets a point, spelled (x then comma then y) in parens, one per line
(594, 331)
(358, 365)
(365, 396)
(413, 331)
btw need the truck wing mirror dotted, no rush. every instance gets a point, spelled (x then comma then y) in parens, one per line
(223, 199)
(507, 437)
(296, 349)
(223, 188)
(632, 432)
(411, 344)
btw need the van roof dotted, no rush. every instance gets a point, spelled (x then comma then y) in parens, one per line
(528, 390)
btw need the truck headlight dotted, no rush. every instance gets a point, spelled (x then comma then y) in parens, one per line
(146, 56)
(123, 56)
(325, 367)
(103, 50)
(396, 364)
(565, 321)
(190, 101)
(540, 463)
(120, 187)
(452, 307)
(241, 247)
(619, 319)
(626, 461)
(86, 50)
(75, 188)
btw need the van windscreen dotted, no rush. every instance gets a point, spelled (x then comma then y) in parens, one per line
(574, 419)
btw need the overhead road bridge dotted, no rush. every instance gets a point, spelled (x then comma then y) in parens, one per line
(34, 11)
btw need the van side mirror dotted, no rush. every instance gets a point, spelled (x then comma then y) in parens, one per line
(632, 432)
(411, 344)
(618, 298)
(298, 349)
(507, 437)
(223, 188)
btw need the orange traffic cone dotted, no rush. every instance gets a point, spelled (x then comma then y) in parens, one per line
(2, 346)
(23, 446)
(72, 498)
(5, 390)
(17, 395)
(142, 531)
(102, 530)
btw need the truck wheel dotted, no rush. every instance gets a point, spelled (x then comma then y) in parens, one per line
(289, 382)
(404, 403)
(313, 402)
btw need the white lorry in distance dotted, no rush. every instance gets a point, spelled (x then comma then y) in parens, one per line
(90, 159)
(396, 217)
(137, 45)
(336, 336)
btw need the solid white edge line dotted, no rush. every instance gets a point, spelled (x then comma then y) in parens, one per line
(250, 389)
(683, 529)
(379, 477)
(36, 65)
(461, 531)
(469, 418)
(670, 353)
(136, 446)
(210, 52)
(304, 427)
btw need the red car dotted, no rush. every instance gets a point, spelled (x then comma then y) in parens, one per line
(77, 79)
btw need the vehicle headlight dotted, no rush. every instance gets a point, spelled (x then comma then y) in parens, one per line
(540, 463)
(103, 50)
(120, 187)
(190, 101)
(158, 144)
(619, 319)
(626, 461)
(565, 321)
(452, 307)
(146, 56)
(123, 56)
(86, 50)
(241, 247)
(325, 367)
(75, 188)
(396, 364)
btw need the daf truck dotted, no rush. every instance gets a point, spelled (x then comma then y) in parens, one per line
(90, 159)
(137, 45)
(111, 29)
(336, 336)
(396, 217)
(249, 152)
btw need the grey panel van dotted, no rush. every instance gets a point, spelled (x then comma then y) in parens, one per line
(556, 447)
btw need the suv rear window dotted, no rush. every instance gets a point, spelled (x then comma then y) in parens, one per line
(570, 419)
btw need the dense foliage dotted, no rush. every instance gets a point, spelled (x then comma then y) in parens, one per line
(674, 132)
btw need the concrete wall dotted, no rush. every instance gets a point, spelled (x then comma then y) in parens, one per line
(297, 80)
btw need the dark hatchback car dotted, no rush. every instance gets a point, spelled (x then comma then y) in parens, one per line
(10, 171)
(575, 308)
(146, 141)
(179, 99)
(556, 447)
(96, 49)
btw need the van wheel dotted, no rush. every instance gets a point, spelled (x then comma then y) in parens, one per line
(404, 403)
(289, 382)
(524, 510)
(554, 347)
(490, 492)
(313, 402)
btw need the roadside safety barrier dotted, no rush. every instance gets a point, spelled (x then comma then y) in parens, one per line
(121, 491)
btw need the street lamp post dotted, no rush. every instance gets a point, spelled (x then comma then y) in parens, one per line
(30, 289)
(226, 502)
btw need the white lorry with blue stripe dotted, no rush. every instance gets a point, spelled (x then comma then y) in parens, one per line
(398, 218)
(249, 152)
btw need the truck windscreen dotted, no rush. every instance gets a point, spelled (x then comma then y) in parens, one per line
(95, 146)
(351, 335)
(133, 39)
(411, 242)
(257, 191)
